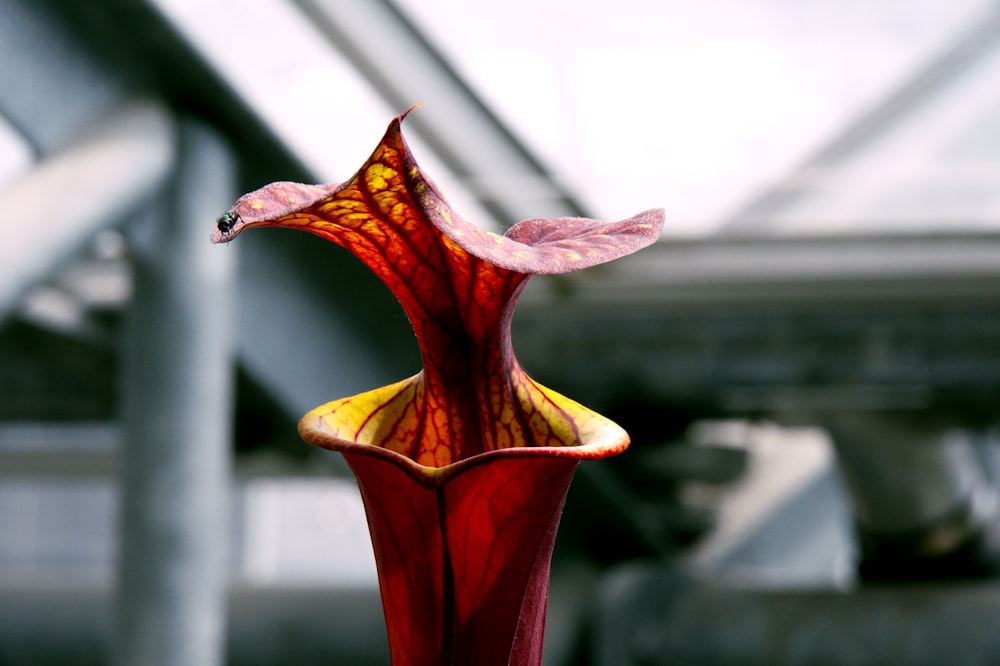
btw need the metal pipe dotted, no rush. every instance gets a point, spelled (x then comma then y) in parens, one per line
(902, 478)
(923, 505)
(49, 214)
(175, 464)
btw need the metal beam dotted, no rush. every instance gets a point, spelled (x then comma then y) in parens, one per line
(53, 211)
(959, 80)
(52, 83)
(923, 504)
(178, 395)
(782, 324)
(405, 68)
(749, 272)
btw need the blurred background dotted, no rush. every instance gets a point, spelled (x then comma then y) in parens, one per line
(808, 361)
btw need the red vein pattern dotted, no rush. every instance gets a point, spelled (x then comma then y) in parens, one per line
(464, 467)
(458, 285)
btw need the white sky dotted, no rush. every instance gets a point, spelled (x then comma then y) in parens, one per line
(692, 106)
(688, 105)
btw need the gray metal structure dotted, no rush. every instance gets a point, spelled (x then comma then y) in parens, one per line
(390, 51)
(888, 340)
(177, 407)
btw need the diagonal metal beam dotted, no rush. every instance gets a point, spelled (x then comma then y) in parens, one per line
(54, 210)
(404, 67)
(969, 49)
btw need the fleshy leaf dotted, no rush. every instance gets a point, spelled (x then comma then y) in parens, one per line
(464, 566)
